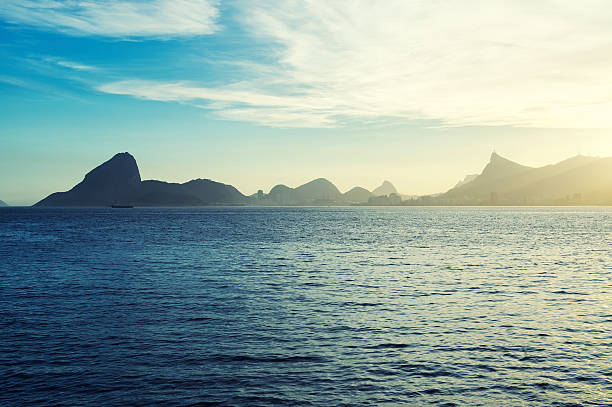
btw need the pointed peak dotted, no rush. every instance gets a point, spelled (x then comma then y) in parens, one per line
(496, 157)
(385, 188)
(500, 166)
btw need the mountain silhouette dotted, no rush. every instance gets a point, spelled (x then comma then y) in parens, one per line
(576, 180)
(316, 192)
(2, 203)
(357, 195)
(117, 181)
(465, 180)
(195, 192)
(114, 181)
(386, 188)
(488, 182)
(319, 190)
(499, 167)
(585, 180)
(282, 195)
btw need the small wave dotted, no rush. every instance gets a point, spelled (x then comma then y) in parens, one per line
(547, 386)
(389, 346)
(360, 304)
(341, 328)
(586, 379)
(565, 292)
(426, 371)
(264, 401)
(533, 358)
(270, 359)
(432, 391)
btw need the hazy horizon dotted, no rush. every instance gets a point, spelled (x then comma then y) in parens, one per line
(341, 189)
(256, 95)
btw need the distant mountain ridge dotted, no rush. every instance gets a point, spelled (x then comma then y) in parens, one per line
(577, 180)
(118, 182)
(322, 192)
(316, 192)
(2, 203)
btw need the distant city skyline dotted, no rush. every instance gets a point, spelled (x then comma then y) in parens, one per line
(254, 95)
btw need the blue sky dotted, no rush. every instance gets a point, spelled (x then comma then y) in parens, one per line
(260, 93)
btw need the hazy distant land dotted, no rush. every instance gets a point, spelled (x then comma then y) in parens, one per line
(2, 203)
(576, 181)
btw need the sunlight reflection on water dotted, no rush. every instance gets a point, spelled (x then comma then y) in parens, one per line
(312, 306)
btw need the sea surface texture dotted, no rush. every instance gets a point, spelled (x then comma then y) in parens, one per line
(306, 306)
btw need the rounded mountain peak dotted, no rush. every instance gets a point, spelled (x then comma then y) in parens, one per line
(386, 188)
(121, 168)
(318, 189)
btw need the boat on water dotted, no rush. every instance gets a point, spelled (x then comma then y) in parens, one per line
(121, 206)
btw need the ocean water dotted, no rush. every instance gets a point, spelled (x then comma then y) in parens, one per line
(306, 306)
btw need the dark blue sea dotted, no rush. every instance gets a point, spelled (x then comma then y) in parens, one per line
(335, 306)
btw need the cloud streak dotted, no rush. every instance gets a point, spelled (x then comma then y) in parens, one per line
(233, 102)
(492, 63)
(75, 65)
(115, 18)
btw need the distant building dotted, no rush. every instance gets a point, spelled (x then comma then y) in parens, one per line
(395, 199)
(385, 200)
(260, 195)
(493, 199)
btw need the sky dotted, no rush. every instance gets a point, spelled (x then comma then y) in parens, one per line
(254, 94)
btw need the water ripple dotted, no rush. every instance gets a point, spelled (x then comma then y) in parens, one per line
(306, 306)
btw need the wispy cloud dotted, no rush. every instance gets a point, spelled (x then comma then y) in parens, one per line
(11, 80)
(45, 62)
(520, 63)
(234, 102)
(116, 18)
(75, 65)
(42, 89)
